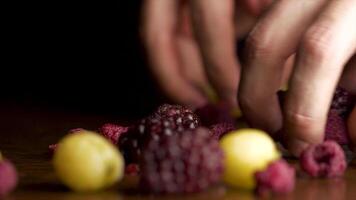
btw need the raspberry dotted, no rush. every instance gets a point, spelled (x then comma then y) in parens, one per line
(181, 163)
(132, 169)
(212, 114)
(343, 102)
(323, 160)
(336, 128)
(53, 147)
(219, 130)
(167, 120)
(278, 177)
(8, 177)
(113, 132)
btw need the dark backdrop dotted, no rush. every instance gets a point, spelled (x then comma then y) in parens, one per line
(76, 55)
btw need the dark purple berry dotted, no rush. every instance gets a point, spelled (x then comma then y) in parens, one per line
(324, 160)
(212, 114)
(278, 178)
(166, 120)
(181, 163)
(336, 128)
(343, 102)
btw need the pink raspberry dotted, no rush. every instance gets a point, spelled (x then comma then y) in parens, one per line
(8, 177)
(324, 160)
(132, 169)
(220, 129)
(278, 177)
(113, 132)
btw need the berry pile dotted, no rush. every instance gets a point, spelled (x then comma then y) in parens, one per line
(182, 163)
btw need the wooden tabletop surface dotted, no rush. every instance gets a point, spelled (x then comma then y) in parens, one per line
(26, 132)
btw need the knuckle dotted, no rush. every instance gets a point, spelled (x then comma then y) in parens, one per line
(258, 43)
(316, 43)
(305, 125)
(248, 99)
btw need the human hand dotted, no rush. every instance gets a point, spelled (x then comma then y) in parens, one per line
(188, 62)
(321, 34)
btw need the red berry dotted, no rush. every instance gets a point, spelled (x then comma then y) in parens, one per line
(132, 169)
(112, 132)
(324, 160)
(220, 129)
(278, 177)
(8, 177)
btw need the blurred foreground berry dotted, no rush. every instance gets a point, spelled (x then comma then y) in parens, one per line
(278, 178)
(181, 163)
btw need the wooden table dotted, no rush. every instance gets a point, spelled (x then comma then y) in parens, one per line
(26, 132)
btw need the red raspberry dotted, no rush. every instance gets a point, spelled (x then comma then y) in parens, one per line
(220, 129)
(112, 132)
(132, 169)
(8, 177)
(324, 160)
(278, 177)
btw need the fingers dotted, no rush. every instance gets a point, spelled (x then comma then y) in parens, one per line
(273, 40)
(189, 56)
(352, 126)
(255, 7)
(325, 48)
(214, 31)
(159, 26)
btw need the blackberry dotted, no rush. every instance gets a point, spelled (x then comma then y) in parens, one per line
(112, 132)
(167, 120)
(181, 163)
(324, 160)
(342, 102)
(212, 114)
(336, 128)
(278, 177)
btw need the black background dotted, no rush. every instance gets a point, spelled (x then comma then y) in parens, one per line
(76, 55)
